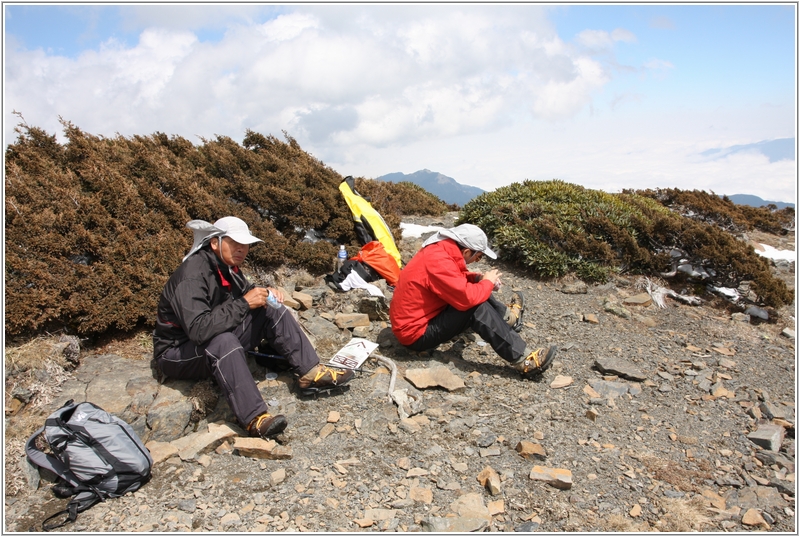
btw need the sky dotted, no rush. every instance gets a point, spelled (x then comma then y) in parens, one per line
(605, 96)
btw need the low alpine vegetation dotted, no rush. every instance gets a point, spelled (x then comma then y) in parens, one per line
(553, 228)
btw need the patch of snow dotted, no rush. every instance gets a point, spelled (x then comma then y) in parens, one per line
(415, 230)
(727, 291)
(774, 253)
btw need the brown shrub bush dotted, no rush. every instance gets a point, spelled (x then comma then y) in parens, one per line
(722, 212)
(95, 226)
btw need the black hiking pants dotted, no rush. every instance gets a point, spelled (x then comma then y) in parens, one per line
(224, 358)
(485, 319)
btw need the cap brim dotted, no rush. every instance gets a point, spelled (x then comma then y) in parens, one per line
(243, 238)
(490, 253)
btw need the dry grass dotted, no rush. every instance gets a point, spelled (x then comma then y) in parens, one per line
(623, 524)
(38, 367)
(24, 355)
(135, 345)
(683, 516)
(673, 473)
(204, 397)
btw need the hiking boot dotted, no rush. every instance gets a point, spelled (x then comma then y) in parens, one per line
(535, 364)
(514, 311)
(322, 378)
(266, 425)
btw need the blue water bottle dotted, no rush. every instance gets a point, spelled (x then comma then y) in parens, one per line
(341, 257)
(272, 301)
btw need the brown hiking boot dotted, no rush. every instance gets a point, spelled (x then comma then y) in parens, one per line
(266, 425)
(322, 378)
(535, 364)
(514, 311)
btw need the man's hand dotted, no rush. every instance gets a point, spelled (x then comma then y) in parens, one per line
(493, 276)
(257, 296)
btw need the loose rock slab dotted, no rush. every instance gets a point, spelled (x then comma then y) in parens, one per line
(261, 449)
(618, 366)
(560, 478)
(768, 436)
(561, 381)
(436, 376)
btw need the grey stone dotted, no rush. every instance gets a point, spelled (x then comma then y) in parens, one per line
(322, 329)
(375, 307)
(575, 288)
(188, 506)
(486, 440)
(756, 312)
(769, 496)
(70, 348)
(787, 333)
(527, 527)
(617, 310)
(170, 412)
(619, 366)
(704, 385)
(317, 294)
(784, 487)
(771, 457)
(608, 388)
(458, 524)
(768, 436)
(31, 472)
(728, 481)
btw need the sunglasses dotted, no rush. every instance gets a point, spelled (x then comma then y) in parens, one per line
(475, 257)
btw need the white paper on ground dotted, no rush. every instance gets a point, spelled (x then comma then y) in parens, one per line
(355, 353)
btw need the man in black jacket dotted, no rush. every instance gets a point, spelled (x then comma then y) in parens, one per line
(209, 316)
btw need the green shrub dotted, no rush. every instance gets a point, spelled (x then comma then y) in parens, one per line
(552, 228)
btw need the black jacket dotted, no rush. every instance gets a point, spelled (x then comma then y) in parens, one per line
(201, 299)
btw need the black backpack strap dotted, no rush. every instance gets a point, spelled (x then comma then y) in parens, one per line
(79, 503)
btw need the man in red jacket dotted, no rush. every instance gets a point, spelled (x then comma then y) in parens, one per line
(437, 298)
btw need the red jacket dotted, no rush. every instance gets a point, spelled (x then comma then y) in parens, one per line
(436, 277)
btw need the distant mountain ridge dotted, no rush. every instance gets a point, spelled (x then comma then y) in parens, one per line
(451, 191)
(755, 201)
(445, 188)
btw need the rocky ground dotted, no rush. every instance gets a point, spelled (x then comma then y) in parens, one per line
(674, 419)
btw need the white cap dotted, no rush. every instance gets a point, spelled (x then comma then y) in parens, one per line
(230, 226)
(467, 235)
(236, 229)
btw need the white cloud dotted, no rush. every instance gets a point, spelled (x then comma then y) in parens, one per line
(485, 95)
(654, 64)
(286, 27)
(601, 40)
(442, 73)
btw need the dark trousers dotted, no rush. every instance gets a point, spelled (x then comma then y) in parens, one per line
(485, 319)
(224, 358)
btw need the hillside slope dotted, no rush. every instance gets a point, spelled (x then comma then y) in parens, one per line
(664, 451)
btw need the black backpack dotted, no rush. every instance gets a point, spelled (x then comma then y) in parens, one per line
(95, 455)
(367, 273)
